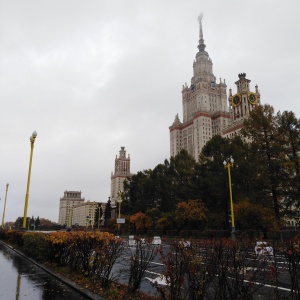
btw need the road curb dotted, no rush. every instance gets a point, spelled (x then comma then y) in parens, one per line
(79, 289)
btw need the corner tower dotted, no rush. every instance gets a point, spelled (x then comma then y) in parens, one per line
(120, 174)
(204, 105)
(241, 104)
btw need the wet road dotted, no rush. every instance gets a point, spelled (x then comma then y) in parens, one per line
(20, 280)
(263, 288)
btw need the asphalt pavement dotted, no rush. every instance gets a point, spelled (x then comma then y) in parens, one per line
(22, 278)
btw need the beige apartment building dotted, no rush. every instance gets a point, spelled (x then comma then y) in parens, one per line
(66, 204)
(83, 214)
(75, 211)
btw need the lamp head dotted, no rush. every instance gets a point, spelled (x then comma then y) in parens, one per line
(34, 134)
(231, 160)
(224, 163)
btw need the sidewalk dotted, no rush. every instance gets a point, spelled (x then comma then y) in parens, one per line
(79, 289)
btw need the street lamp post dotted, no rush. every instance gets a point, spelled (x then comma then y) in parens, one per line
(228, 165)
(99, 215)
(87, 221)
(93, 214)
(33, 224)
(32, 139)
(4, 206)
(120, 202)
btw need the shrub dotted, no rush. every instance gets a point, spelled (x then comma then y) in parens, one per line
(15, 237)
(35, 246)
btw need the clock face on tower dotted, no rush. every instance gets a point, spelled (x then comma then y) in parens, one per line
(236, 100)
(252, 98)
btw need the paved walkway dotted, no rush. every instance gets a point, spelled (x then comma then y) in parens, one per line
(23, 278)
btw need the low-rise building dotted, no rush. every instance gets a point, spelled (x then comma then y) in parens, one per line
(83, 214)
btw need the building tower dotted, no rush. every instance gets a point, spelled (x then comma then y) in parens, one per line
(120, 174)
(204, 103)
(240, 105)
(67, 202)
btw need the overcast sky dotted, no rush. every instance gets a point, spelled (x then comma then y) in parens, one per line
(92, 76)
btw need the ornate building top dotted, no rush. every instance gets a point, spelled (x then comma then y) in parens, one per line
(176, 121)
(203, 64)
(201, 45)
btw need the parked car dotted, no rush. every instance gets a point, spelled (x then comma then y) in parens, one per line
(156, 240)
(131, 241)
(262, 248)
(185, 244)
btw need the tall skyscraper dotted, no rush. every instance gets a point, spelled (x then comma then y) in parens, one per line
(206, 111)
(120, 174)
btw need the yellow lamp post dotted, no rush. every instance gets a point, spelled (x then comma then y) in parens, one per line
(228, 165)
(32, 139)
(4, 206)
(120, 202)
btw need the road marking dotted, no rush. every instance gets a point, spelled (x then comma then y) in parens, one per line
(150, 272)
(268, 285)
(150, 262)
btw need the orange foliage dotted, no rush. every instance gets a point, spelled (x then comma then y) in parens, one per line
(140, 220)
(47, 222)
(250, 215)
(191, 210)
(62, 237)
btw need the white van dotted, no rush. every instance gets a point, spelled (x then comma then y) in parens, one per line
(156, 240)
(262, 248)
(131, 241)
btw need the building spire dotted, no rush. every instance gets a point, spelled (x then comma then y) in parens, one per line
(201, 45)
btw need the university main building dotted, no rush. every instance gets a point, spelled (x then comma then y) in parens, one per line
(207, 110)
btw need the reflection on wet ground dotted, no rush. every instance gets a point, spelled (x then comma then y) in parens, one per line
(20, 279)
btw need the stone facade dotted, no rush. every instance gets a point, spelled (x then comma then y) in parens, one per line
(83, 214)
(67, 202)
(240, 105)
(120, 174)
(206, 109)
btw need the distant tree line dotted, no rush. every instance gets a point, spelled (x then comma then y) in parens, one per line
(35, 223)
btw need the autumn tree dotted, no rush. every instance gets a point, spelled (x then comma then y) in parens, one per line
(167, 221)
(251, 216)
(140, 221)
(46, 223)
(154, 214)
(191, 213)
